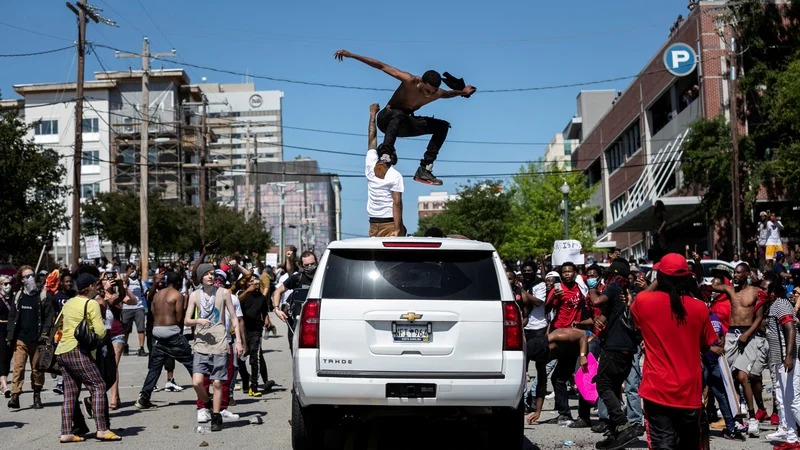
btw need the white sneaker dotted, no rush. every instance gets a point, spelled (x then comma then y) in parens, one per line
(228, 416)
(743, 409)
(203, 415)
(779, 435)
(172, 387)
(550, 396)
(753, 428)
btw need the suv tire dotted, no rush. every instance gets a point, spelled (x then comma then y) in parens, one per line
(507, 427)
(308, 431)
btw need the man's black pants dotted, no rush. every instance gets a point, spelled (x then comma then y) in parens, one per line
(395, 123)
(612, 371)
(176, 347)
(253, 339)
(564, 371)
(671, 428)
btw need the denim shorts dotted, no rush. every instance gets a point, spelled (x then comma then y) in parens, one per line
(120, 339)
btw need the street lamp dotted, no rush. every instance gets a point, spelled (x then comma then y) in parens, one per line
(565, 205)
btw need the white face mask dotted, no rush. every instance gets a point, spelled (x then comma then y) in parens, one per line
(7, 289)
(30, 284)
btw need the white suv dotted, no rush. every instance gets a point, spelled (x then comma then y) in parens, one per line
(393, 323)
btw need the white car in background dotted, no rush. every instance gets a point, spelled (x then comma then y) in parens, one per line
(395, 325)
(708, 266)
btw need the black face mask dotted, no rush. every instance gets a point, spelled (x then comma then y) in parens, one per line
(310, 270)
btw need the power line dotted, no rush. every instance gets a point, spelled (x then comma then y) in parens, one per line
(123, 17)
(159, 30)
(35, 32)
(364, 88)
(46, 52)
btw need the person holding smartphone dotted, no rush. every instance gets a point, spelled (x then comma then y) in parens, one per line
(133, 313)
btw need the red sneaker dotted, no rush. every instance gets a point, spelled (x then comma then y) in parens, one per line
(761, 415)
(787, 446)
(774, 419)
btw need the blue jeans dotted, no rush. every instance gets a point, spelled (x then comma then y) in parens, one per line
(633, 406)
(712, 377)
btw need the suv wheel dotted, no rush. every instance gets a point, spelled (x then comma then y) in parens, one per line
(507, 427)
(308, 430)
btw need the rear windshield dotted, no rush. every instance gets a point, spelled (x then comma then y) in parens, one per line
(410, 275)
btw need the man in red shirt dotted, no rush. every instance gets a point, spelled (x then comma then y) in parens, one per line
(570, 308)
(676, 329)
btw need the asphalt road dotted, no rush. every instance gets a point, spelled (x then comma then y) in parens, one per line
(173, 424)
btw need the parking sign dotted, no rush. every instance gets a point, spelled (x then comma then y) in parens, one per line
(680, 59)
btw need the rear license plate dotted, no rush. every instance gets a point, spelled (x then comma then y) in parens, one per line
(408, 332)
(415, 390)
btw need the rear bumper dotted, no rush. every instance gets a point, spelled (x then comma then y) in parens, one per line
(369, 388)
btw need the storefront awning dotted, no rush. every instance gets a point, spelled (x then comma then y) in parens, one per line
(641, 218)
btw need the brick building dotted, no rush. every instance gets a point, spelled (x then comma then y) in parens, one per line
(634, 150)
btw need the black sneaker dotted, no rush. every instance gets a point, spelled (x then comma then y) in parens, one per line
(733, 435)
(580, 423)
(424, 175)
(143, 403)
(640, 429)
(600, 427)
(141, 352)
(216, 422)
(625, 435)
(385, 149)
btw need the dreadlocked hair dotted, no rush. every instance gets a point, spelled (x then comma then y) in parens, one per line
(677, 287)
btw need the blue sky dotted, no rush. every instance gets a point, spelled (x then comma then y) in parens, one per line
(495, 45)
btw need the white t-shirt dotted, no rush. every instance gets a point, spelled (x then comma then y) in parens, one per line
(537, 319)
(379, 191)
(237, 307)
(762, 234)
(286, 293)
(774, 232)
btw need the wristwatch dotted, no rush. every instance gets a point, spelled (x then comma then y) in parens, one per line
(583, 354)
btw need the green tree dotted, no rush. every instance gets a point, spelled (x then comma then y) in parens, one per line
(481, 212)
(31, 192)
(536, 215)
(234, 231)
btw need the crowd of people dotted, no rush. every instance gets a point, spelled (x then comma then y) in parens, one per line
(688, 351)
(74, 323)
(688, 354)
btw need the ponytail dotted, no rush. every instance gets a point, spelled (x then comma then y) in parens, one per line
(678, 287)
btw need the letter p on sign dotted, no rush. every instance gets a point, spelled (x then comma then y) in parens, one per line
(680, 59)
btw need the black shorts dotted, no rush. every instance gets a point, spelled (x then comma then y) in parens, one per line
(671, 428)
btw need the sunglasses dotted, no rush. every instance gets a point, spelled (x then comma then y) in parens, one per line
(6, 284)
(30, 275)
(795, 293)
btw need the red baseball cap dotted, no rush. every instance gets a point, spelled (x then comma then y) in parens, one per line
(674, 265)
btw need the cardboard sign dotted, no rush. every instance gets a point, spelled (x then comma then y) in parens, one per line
(93, 247)
(271, 259)
(567, 251)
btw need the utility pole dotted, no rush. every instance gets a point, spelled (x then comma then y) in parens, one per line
(247, 174)
(203, 156)
(255, 179)
(82, 10)
(281, 251)
(144, 150)
(735, 197)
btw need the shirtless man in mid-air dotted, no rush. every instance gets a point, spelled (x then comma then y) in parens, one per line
(397, 119)
(168, 314)
(746, 348)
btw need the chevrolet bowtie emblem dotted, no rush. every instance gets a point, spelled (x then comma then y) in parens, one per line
(411, 316)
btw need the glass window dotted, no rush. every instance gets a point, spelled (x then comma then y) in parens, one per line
(46, 127)
(90, 158)
(90, 190)
(410, 275)
(91, 125)
(128, 156)
(567, 148)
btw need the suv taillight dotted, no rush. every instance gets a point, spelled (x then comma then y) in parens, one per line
(309, 324)
(512, 326)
